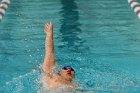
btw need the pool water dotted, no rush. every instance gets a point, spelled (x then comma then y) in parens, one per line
(100, 39)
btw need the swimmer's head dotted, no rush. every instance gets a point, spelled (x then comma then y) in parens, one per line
(67, 72)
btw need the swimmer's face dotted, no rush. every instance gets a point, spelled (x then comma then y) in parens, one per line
(68, 73)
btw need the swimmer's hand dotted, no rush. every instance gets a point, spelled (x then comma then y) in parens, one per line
(49, 29)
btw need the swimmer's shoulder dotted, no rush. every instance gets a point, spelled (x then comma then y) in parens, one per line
(49, 75)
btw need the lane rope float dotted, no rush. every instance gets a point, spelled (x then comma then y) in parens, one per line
(135, 6)
(3, 7)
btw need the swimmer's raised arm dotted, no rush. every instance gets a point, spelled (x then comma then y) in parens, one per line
(49, 60)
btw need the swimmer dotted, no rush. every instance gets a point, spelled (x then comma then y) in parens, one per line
(51, 79)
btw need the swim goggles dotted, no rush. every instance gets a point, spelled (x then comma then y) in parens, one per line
(68, 67)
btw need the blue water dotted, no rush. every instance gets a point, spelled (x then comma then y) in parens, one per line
(100, 39)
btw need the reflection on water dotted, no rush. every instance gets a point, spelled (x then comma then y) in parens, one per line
(70, 26)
